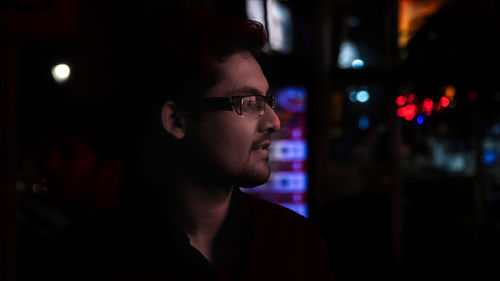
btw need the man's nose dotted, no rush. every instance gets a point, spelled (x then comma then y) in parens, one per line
(270, 120)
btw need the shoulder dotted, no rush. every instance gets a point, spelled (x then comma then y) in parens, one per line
(257, 209)
(287, 240)
(278, 223)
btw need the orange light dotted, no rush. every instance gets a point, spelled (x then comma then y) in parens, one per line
(444, 101)
(428, 104)
(449, 92)
(401, 100)
(411, 14)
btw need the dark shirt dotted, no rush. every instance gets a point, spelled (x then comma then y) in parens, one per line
(258, 241)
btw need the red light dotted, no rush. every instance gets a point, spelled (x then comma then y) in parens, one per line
(409, 117)
(472, 96)
(401, 100)
(411, 110)
(428, 104)
(407, 112)
(401, 112)
(411, 98)
(444, 101)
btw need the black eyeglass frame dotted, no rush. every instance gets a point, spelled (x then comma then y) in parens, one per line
(236, 102)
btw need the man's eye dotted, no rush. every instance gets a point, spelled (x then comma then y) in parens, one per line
(250, 103)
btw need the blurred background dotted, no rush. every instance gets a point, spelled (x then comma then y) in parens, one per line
(390, 111)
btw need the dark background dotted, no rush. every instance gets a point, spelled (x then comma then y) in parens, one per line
(386, 208)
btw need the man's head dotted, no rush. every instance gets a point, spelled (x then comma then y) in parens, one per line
(228, 146)
(208, 57)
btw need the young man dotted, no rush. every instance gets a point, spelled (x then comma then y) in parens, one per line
(232, 147)
(184, 216)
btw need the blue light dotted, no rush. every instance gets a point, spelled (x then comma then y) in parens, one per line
(363, 122)
(353, 96)
(495, 130)
(362, 96)
(357, 63)
(490, 157)
(456, 163)
(300, 208)
(292, 99)
(289, 150)
(420, 120)
(352, 21)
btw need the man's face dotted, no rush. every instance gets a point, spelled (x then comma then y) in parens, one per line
(232, 147)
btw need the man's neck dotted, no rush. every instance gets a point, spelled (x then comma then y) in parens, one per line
(202, 211)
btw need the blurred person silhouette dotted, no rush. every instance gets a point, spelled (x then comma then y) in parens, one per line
(72, 172)
(207, 133)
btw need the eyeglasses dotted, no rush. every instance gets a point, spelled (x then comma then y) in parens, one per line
(248, 106)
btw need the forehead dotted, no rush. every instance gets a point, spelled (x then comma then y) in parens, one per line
(240, 74)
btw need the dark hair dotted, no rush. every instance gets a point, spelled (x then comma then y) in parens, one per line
(173, 58)
(189, 45)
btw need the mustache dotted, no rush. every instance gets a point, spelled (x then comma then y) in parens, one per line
(264, 139)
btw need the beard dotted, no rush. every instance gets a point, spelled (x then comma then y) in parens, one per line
(254, 176)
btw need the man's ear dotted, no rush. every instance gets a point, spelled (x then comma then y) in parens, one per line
(173, 120)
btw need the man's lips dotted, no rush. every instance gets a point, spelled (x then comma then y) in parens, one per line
(262, 145)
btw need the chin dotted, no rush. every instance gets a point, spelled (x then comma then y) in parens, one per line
(255, 179)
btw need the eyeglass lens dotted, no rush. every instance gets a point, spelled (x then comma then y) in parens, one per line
(253, 106)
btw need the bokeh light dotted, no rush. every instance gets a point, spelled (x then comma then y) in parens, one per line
(428, 104)
(449, 92)
(420, 120)
(358, 63)
(401, 100)
(362, 96)
(61, 72)
(411, 98)
(363, 122)
(444, 101)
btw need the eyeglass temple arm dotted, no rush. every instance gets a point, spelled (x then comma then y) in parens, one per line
(219, 103)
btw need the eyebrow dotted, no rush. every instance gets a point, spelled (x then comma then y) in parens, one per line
(248, 90)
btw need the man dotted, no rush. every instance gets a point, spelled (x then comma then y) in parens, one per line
(183, 216)
(232, 146)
